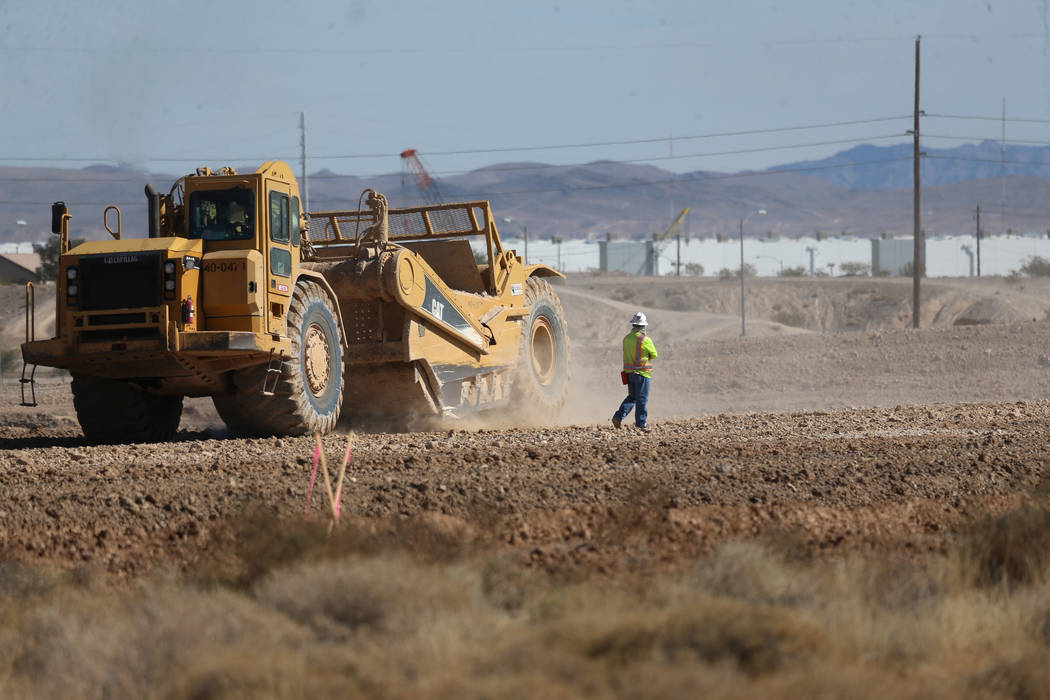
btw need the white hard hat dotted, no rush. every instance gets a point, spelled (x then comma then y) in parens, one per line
(639, 320)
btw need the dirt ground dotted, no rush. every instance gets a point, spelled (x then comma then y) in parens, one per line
(884, 439)
(834, 505)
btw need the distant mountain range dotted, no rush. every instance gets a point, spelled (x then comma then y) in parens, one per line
(863, 191)
(868, 167)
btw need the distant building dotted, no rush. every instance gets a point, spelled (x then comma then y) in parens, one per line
(19, 268)
(632, 257)
(892, 256)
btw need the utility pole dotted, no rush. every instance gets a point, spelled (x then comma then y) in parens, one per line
(743, 326)
(678, 255)
(302, 155)
(978, 240)
(1002, 172)
(917, 185)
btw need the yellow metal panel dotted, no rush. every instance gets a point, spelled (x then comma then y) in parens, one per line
(230, 301)
(174, 244)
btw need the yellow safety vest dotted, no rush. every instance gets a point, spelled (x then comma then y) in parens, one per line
(638, 350)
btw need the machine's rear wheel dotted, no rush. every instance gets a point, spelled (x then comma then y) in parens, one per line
(114, 411)
(541, 380)
(309, 393)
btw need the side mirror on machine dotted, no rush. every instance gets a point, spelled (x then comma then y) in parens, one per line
(59, 211)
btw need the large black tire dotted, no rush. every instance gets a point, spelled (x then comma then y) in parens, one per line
(309, 394)
(114, 411)
(541, 380)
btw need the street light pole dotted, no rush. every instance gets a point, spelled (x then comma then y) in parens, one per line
(777, 260)
(525, 234)
(743, 324)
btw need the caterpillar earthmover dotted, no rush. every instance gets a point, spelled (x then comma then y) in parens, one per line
(288, 319)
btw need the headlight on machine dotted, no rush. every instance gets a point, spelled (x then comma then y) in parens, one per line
(170, 266)
(72, 290)
(71, 273)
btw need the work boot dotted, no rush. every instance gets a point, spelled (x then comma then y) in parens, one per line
(643, 428)
(616, 422)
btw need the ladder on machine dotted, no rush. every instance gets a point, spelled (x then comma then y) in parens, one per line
(30, 337)
(273, 373)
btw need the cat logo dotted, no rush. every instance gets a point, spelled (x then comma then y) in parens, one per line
(437, 309)
(118, 259)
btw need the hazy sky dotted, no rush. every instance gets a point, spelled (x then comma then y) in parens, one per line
(170, 86)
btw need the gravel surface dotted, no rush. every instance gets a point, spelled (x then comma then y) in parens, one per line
(875, 440)
(840, 481)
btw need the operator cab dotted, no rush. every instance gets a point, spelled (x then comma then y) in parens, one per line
(221, 215)
(251, 231)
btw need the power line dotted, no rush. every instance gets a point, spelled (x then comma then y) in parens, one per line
(539, 166)
(932, 156)
(738, 151)
(989, 119)
(651, 183)
(501, 149)
(628, 142)
(975, 138)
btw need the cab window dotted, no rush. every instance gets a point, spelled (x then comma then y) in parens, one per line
(295, 221)
(221, 215)
(280, 262)
(279, 217)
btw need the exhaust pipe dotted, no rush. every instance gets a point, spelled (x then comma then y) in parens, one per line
(153, 215)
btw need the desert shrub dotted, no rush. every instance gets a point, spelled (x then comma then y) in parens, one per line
(908, 270)
(792, 272)
(751, 572)
(1036, 266)
(793, 318)
(854, 269)
(258, 542)
(694, 269)
(726, 274)
(506, 585)
(130, 644)
(758, 640)
(1012, 549)
(18, 582)
(380, 594)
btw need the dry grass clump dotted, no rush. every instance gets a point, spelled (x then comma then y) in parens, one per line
(383, 595)
(258, 542)
(1012, 549)
(430, 608)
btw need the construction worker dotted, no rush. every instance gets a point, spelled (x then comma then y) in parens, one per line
(638, 354)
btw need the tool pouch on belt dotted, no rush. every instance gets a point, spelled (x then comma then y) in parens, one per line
(623, 377)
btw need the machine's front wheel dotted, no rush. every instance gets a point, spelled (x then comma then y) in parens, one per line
(114, 411)
(541, 381)
(309, 393)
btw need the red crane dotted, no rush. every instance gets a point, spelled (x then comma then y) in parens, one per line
(426, 184)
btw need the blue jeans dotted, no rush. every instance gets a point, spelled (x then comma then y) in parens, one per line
(637, 398)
